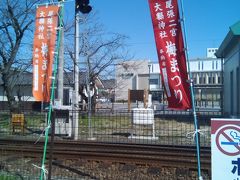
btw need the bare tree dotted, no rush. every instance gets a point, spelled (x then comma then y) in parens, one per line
(99, 51)
(16, 19)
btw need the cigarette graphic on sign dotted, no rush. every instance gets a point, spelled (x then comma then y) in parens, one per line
(235, 136)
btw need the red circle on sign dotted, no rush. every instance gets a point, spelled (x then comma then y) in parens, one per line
(221, 132)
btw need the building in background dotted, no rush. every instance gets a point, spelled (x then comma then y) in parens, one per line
(155, 83)
(229, 51)
(132, 75)
(207, 78)
(22, 90)
(106, 93)
(140, 75)
(211, 52)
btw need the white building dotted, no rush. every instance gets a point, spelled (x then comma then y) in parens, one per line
(140, 75)
(207, 76)
(211, 52)
(229, 51)
(132, 75)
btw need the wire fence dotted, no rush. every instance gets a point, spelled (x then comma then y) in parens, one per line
(144, 126)
(136, 126)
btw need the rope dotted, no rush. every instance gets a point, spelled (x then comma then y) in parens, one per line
(60, 16)
(41, 135)
(192, 134)
(45, 171)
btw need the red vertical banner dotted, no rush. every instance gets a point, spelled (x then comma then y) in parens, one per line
(43, 51)
(170, 50)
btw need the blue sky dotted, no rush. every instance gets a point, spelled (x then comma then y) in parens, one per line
(207, 23)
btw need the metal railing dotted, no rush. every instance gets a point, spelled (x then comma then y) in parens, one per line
(157, 127)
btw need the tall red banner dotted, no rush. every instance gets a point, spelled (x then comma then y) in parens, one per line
(43, 51)
(170, 50)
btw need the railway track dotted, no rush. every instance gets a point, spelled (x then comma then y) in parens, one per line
(160, 155)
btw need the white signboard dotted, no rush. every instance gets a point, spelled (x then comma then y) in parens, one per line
(225, 143)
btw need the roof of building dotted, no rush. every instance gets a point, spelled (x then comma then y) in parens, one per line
(229, 41)
(69, 79)
(19, 78)
(204, 59)
(25, 78)
(108, 83)
(235, 28)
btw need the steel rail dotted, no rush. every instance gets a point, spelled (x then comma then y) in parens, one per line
(173, 156)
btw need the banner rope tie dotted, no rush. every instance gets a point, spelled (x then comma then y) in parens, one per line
(43, 169)
(192, 134)
(41, 135)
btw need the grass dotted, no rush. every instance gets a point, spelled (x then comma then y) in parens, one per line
(35, 120)
(7, 177)
(31, 120)
(106, 122)
(4, 120)
(109, 125)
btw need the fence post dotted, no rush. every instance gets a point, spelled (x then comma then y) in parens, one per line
(129, 100)
(198, 133)
(131, 123)
(51, 144)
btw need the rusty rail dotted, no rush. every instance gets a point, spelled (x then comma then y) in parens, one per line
(161, 155)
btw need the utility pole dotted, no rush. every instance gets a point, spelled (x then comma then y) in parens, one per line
(60, 65)
(76, 76)
(149, 67)
(83, 7)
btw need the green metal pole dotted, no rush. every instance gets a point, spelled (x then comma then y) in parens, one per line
(43, 170)
(192, 95)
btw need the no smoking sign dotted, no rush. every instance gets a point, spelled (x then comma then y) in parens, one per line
(225, 147)
(228, 140)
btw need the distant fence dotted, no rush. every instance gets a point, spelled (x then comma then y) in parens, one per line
(166, 127)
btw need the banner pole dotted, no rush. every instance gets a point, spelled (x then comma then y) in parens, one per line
(43, 170)
(192, 93)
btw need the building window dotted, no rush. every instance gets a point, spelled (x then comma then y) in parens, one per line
(216, 64)
(202, 65)
(213, 80)
(238, 99)
(231, 93)
(153, 81)
(66, 97)
(203, 80)
(210, 80)
(200, 80)
(126, 75)
(219, 80)
(198, 65)
(195, 80)
(156, 96)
